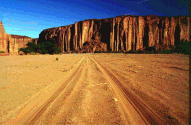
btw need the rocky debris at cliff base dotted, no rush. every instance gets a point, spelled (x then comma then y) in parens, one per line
(94, 46)
(21, 53)
(4, 54)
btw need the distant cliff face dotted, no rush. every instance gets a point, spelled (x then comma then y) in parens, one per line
(120, 33)
(11, 43)
(21, 41)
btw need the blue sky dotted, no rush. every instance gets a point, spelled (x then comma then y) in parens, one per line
(30, 17)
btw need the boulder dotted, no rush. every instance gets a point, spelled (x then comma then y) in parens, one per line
(21, 53)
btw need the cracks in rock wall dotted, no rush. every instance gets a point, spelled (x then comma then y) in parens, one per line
(121, 33)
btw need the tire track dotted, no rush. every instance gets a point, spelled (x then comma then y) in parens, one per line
(30, 113)
(134, 108)
(127, 96)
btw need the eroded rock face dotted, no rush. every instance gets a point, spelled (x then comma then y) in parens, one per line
(11, 43)
(121, 33)
(20, 41)
(35, 40)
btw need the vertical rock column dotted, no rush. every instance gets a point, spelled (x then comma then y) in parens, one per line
(111, 41)
(5, 42)
(129, 34)
(15, 51)
(184, 26)
(60, 44)
(173, 25)
(153, 31)
(126, 26)
(12, 46)
(139, 33)
(150, 41)
(121, 40)
(85, 28)
(63, 40)
(76, 35)
(117, 49)
(166, 28)
(68, 40)
(113, 35)
(156, 32)
(90, 33)
(3, 39)
(134, 22)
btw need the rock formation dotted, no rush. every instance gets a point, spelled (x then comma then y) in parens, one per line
(4, 38)
(21, 40)
(35, 40)
(11, 43)
(122, 33)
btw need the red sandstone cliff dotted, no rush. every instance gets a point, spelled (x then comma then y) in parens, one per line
(21, 40)
(11, 43)
(120, 33)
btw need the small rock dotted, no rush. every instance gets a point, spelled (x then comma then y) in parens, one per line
(21, 53)
(115, 99)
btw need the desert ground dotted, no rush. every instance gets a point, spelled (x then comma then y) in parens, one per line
(94, 89)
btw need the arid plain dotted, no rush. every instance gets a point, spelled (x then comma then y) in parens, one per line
(85, 89)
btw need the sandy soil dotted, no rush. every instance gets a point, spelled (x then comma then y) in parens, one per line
(161, 80)
(89, 99)
(23, 76)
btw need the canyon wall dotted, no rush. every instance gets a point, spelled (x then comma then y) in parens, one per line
(35, 40)
(12, 43)
(122, 33)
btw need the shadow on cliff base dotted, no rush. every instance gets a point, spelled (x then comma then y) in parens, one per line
(177, 34)
(146, 36)
(105, 34)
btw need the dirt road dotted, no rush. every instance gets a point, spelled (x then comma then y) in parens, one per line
(92, 91)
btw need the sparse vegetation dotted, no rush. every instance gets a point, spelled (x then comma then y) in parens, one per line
(183, 47)
(56, 58)
(47, 47)
(42, 48)
(32, 53)
(151, 48)
(2, 52)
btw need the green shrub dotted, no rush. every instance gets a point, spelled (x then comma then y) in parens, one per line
(31, 44)
(56, 58)
(42, 48)
(97, 52)
(2, 52)
(151, 48)
(32, 53)
(56, 50)
(183, 47)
